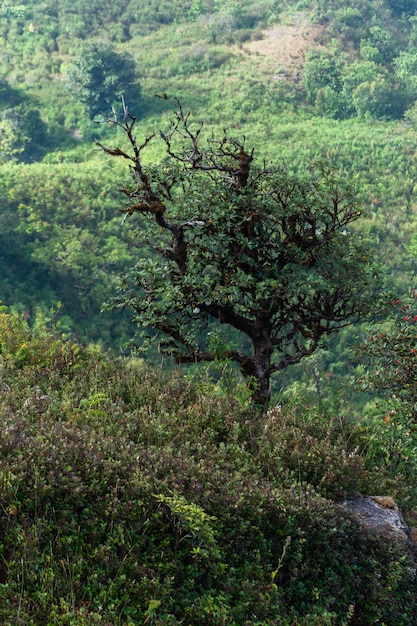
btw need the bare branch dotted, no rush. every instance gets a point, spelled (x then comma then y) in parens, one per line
(197, 357)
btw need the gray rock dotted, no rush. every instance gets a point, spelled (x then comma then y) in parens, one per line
(380, 513)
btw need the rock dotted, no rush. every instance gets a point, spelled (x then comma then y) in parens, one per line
(380, 513)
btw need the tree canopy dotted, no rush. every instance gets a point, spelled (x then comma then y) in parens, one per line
(100, 75)
(268, 254)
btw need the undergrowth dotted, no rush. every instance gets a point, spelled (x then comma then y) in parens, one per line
(129, 498)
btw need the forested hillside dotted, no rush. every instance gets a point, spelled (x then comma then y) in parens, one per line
(301, 81)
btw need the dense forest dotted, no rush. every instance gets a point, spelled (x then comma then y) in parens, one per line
(136, 492)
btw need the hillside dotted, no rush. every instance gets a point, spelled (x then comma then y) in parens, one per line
(302, 82)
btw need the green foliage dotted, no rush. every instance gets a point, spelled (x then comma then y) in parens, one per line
(99, 77)
(12, 141)
(378, 37)
(24, 135)
(60, 255)
(310, 445)
(9, 97)
(226, 84)
(379, 98)
(406, 70)
(270, 255)
(363, 88)
(403, 6)
(387, 370)
(330, 103)
(116, 484)
(130, 498)
(322, 70)
(356, 21)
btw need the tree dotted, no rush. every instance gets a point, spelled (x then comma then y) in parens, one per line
(100, 76)
(11, 141)
(380, 97)
(403, 6)
(405, 66)
(23, 134)
(265, 253)
(323, 69)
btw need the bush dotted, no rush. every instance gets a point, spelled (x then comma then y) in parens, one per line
(127, 497)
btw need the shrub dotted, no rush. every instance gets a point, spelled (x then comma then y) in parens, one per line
(128, 497)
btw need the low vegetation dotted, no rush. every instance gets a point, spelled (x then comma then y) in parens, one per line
(129, 497)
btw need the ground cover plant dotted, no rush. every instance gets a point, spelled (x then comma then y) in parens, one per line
(128, 497)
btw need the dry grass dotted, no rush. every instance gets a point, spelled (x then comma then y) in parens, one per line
(284, 47)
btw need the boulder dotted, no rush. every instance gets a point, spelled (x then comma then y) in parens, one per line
(381, 514)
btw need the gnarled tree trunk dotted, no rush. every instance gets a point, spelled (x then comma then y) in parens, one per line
(258, 368)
